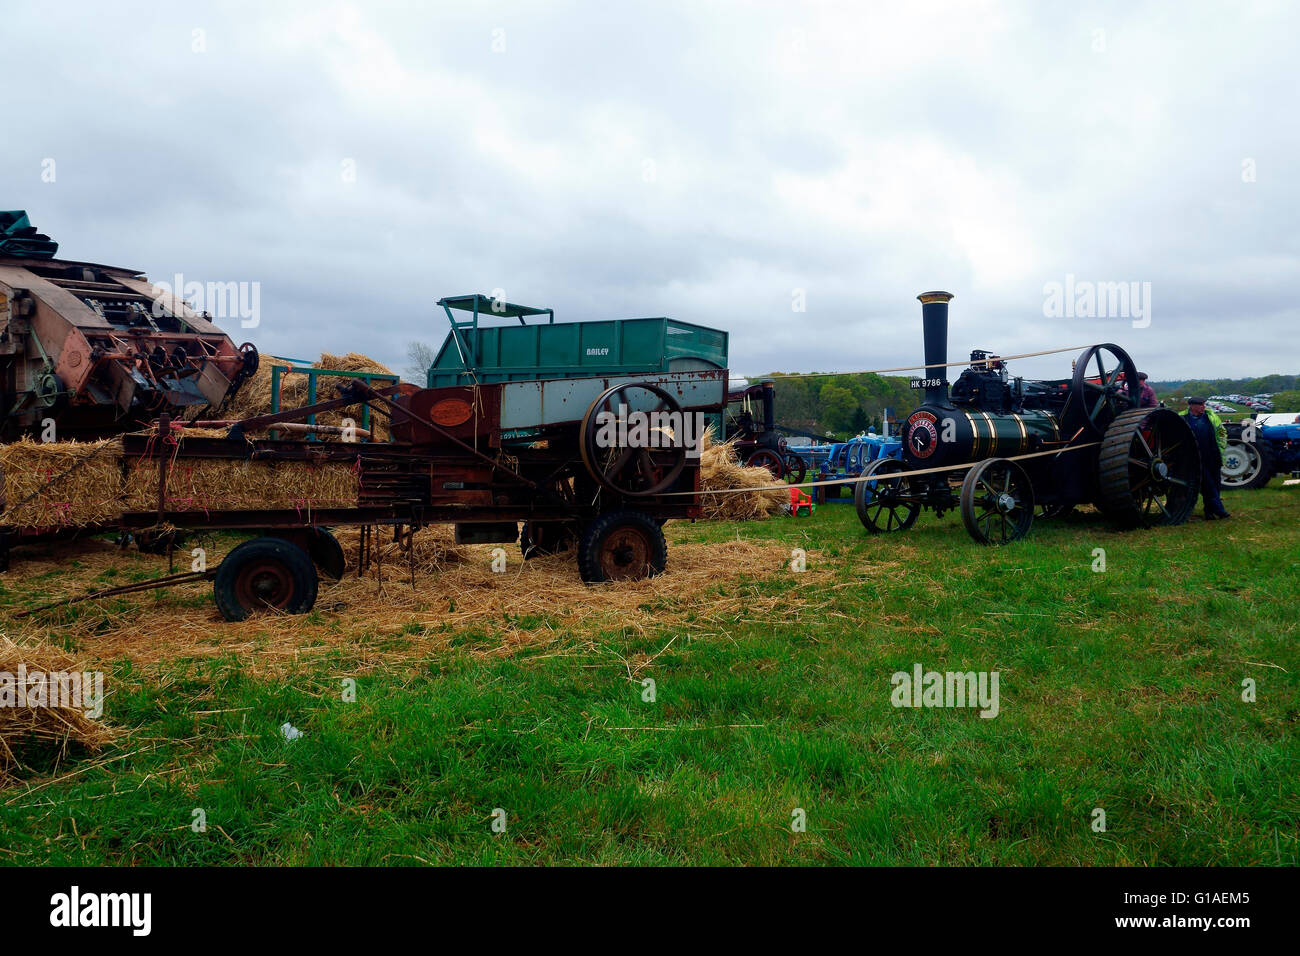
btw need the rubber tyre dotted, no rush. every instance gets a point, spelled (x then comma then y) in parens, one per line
(327, 554)
(281, 571)
(1265, 466)
(621, 546)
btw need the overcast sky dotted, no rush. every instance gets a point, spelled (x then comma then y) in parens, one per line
(703, 161)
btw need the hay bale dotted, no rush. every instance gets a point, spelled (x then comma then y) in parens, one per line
(720, 467)
(75, 484)
(45, 732)
(61, 484)
(253, 398)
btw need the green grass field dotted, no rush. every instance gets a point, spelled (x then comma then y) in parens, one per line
(1119, 690)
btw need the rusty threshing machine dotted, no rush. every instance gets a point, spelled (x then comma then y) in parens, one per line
(514, 427)
(99, 350)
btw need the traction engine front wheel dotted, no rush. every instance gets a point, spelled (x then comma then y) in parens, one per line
(997, 502)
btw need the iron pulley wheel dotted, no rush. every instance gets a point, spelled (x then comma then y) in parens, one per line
(997, 502)
(622, 546)
(1105, 386)
(1149, 468)
(885, 506)
(634, 470)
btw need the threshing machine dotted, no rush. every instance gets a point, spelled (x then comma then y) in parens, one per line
(98, 349)
(998, 448)
(517, 429)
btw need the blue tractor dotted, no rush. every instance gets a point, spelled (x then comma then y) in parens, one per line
(849, 459)
(1259, 449)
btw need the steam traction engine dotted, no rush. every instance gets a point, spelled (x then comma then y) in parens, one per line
(1003, 450)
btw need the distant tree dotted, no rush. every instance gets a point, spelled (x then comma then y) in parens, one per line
(419, 356)
(860, 421)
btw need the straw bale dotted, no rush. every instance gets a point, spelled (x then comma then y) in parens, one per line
(720, 467)
(75, 484)
(28, 730)
(253, 398)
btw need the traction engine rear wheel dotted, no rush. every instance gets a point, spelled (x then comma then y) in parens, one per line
(1149, 469)
(622, 546)
(884, 506)
(997, 502)
(265, 574)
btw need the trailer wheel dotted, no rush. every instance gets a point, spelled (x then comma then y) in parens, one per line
(1246, 464)
(262, 574)
(997, 502)
(538, 538)
(622, 546)
(327, 554)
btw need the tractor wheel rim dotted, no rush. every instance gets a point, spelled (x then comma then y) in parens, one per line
(625, 555)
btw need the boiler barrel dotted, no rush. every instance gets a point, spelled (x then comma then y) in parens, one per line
(935, 436)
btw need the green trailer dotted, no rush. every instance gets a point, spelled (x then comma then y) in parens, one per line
(542, 350)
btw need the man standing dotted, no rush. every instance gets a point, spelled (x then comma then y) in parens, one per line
(1212, 440)
(1148, 397)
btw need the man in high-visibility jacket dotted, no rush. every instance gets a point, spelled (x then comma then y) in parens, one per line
(1212, 440)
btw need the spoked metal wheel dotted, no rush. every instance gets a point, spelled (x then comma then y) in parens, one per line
(796, 469)
(997, 502)
(1105, 386)
(1150, 470)
(643, 469)
(766, 458)
(1048, 512)
(885, 506)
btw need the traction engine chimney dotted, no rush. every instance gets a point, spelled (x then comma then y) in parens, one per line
(934, 322)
